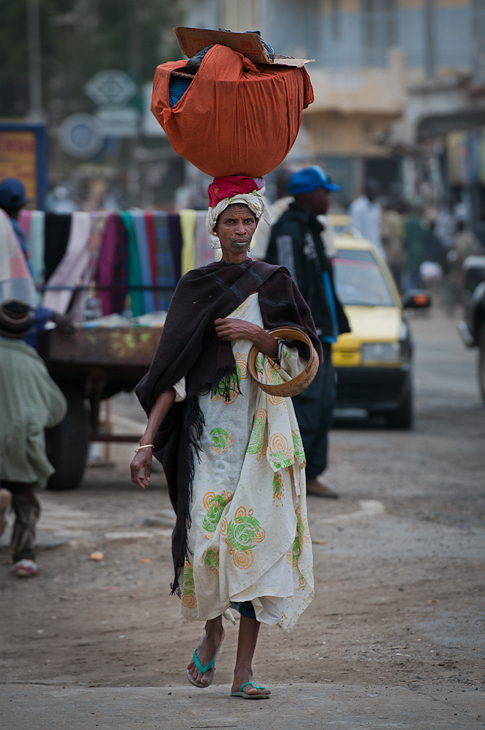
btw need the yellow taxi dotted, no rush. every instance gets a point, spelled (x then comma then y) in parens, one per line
(374, 361)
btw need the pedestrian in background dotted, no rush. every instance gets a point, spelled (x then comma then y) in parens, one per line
(434, 250)
(13, 198)
(365, 213)
(296, 242)
(30, 402)
(60, 201)
(415, 239)
(465, 243)
(392, 232)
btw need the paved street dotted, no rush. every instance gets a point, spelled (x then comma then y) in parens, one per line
(393, 639)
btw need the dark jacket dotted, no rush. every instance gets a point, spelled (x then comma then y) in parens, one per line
(296, 243)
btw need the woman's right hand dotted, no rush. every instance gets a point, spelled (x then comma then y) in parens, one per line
(142, 461)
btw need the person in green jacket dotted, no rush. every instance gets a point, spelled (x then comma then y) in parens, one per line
(415, 237)
(30, 402)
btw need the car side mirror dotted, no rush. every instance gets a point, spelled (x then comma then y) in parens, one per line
(416, 299)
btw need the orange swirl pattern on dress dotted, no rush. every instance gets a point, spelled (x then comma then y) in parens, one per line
(277, 400)
(189, 600)
(242, 560)
(279, 444)
(272, 375)
(241, 364)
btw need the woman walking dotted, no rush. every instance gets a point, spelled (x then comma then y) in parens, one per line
(232, 454)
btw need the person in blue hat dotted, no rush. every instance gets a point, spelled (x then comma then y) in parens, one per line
(13, 198)
(296, 242)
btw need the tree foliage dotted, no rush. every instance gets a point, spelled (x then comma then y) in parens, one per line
(79, 38)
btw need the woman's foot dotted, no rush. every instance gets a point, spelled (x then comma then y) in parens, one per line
(247, 676)
(25, 568)
(207, 650)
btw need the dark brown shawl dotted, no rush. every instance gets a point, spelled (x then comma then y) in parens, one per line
(190, 347)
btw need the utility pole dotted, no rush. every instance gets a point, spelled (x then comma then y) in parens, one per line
(429, 38)
(134, 63)
(134, 44)
(36, 113)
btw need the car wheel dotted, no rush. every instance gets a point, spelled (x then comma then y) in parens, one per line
(67, 443)
(481, 361)
(402, 418)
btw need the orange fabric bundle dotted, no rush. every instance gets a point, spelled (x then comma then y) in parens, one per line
(235, 118)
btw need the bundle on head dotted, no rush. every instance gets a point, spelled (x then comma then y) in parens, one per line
(234, 115)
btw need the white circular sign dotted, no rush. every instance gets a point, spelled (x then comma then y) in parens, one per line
(80, 136)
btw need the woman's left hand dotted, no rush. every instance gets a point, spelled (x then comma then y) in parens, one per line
(237, 329)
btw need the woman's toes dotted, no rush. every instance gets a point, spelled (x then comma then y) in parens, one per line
(249, 690)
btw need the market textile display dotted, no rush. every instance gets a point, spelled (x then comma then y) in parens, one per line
(235, 117)
(130, 260)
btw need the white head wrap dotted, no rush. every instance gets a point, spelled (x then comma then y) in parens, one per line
(255, 202)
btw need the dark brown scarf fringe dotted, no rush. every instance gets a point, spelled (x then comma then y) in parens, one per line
(192, 433)
(226, 382)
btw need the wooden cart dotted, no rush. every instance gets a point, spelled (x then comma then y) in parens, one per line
(89, 366)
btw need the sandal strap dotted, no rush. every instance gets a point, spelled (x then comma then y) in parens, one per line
(199, 666)
(252, 684)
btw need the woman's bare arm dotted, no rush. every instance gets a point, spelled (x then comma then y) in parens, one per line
(143, 458)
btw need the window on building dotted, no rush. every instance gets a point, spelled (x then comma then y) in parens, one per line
(335, 18)
(240, 16)
(479, 39)
(379, 26)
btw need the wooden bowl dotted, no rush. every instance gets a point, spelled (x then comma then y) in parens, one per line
(299, 383)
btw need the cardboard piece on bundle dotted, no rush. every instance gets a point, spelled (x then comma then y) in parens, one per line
(194, 40)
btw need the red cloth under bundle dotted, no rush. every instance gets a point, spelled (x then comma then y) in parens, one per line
(230, 185)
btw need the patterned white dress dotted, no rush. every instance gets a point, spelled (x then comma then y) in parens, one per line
(249, 537)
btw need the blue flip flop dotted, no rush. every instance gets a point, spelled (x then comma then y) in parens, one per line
(202, 669)
(245, 695)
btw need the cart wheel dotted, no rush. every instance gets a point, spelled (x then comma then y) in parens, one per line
(67, 444)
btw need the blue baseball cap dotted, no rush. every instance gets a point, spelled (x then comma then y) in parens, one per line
(12, 193)
(309, 179)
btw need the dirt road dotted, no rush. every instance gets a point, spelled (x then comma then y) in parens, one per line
(399, 562)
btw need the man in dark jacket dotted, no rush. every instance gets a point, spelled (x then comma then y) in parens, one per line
(296, 243)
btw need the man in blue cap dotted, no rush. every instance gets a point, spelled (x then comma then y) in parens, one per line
(12, 199)
(296, 243)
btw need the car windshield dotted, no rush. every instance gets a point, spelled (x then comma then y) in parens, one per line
(359, 280)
